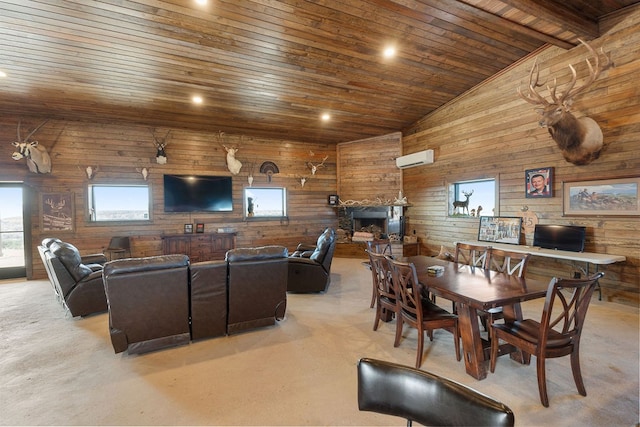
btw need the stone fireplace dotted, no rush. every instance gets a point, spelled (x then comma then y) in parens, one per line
(379, 220)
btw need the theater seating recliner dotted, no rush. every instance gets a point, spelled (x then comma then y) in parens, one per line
(76, 280)
(310, 266)
(163, 301)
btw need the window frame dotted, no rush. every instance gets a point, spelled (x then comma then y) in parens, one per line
(452, 190)
(90, 203)
(245, 205)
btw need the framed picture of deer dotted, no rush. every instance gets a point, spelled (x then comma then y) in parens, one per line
(57, 212)
(539, 182)
(604, 197)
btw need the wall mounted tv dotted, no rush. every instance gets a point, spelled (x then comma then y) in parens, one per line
(560, 237)
(198, 193)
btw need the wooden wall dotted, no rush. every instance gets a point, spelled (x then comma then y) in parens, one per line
(119, 152)
(490, 131)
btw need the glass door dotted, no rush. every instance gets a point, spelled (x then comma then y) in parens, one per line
(12, 253)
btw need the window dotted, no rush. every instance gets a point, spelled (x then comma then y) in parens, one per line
(265, 202)
(119, 203)
(473, 198)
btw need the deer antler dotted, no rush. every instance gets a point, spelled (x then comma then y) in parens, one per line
(533, 97)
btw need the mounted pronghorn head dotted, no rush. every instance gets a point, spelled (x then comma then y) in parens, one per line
(580, 140)
(161, 143)
(38, 160)
(233, 164)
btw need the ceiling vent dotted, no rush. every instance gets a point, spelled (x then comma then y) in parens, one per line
(415, 159)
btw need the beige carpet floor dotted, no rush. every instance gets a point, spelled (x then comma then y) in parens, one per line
(58, 370)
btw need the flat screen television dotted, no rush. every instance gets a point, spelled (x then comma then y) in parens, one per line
(197, 193)
(560, 237)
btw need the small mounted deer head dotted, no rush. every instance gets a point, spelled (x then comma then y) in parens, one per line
(580, 140)
(38, 160)
(233, 164)
(144, 172)
(91, 171)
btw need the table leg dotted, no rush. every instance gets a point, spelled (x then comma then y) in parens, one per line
(473, 351)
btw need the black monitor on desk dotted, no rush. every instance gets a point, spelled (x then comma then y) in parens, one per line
(560, 237)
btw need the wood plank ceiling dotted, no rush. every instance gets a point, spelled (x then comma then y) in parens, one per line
(268, 68)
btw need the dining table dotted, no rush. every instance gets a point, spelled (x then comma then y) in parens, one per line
(473, 289)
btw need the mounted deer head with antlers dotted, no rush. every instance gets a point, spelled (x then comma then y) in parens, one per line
(234, 165)
(38, 160)
(314, 168)
(161, 143)
(579, 139)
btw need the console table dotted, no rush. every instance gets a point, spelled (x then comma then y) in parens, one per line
(199, 246)
(585, 257)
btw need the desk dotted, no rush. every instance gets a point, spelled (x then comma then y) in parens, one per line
(474, 289)
(586, 257)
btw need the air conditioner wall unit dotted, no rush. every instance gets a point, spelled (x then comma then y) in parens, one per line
(415, 159)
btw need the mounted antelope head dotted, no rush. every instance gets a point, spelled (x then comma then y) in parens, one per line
(579, 140)
(161, 143)
(233, 164)
(38, 160)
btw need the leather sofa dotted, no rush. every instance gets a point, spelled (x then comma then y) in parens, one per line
(310, 265)
(162, 301)
(148, 302)
(76, 280)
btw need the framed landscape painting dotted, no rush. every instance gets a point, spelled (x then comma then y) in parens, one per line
(603, 197)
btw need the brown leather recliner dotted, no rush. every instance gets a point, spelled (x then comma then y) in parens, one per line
(257, 287)
(78, 285)
(208, 299)
(148, 302)
(310, 266)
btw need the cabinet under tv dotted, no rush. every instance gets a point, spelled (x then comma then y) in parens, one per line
(199, 246)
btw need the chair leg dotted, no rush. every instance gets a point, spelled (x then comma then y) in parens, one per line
(494, 350)
(542, 380)
(376, 321)
(577, 374)
(373, 297)
(396, 343)
(420, 348)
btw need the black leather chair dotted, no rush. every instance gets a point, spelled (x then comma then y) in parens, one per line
(78, 285)
(148, 302)
(417, 395)
(310, 266)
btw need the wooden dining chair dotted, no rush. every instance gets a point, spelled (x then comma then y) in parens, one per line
(473, 255)
(379, 246)
(416, 395)
(417, 310)
(507, 262)
(385, 294)
(558, 332)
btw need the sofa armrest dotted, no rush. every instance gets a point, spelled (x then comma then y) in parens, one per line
(303, 247)
(94, 259)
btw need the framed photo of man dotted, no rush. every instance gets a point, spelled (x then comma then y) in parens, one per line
(539, 182)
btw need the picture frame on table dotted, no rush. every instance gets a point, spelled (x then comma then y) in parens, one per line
(602, 197)
(539, 182)
(188, 228)
(57, 212)
(500, 229)
(200, 227)
(333, 200)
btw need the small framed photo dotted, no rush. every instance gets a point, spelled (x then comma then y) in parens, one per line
(539, 182)
(199, 227)
(333, 199)
(188, 228)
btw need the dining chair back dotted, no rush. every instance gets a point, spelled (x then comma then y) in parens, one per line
(417, 310)
(378, 246)
(473, 255)
(511, 263)
(386, 306)
(557, 333)
(416, 395)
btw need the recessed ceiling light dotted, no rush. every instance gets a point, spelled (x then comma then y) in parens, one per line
(325, 117)
(201, 2)
(197, 99)
(389, 52)
(3, 74)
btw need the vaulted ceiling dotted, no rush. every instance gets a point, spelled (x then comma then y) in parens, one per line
(269, 68)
